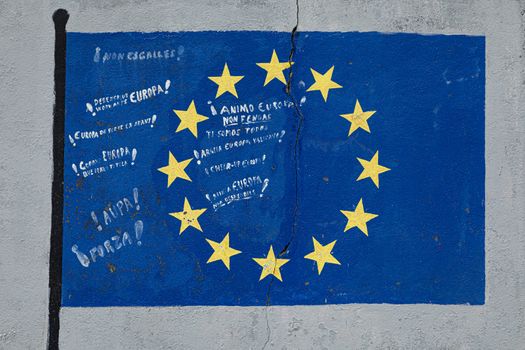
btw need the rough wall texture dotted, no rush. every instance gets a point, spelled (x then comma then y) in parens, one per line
(26, 71)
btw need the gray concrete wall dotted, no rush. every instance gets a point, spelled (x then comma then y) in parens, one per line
(26, 75)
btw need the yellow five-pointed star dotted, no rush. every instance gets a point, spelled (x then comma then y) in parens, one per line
(323, 82)
(175, 169)
(358, 119)
(322, 254)
(189, 119)
(274, 69)
(372, 169)
(271, 265)
(188, 217)
(222, 251)
(358, 218)
(226, 82)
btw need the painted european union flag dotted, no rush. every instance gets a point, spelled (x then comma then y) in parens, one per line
(240, 168)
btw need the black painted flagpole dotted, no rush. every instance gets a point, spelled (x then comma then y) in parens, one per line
(60, 18)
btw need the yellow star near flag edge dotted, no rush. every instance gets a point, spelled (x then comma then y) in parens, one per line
(226, 82)
(323, 82)
(372, 169)
(222, 251)
(188, 217)
(358, 218)
(271, 265)
(358, 119)
(189, 119)
(274, 69)
(175, 169)
(322, 255)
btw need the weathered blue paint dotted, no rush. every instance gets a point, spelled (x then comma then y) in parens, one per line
(426, 245)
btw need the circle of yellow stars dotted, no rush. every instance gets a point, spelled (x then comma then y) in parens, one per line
(272, 264)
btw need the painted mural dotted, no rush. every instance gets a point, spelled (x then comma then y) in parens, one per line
(234, 168)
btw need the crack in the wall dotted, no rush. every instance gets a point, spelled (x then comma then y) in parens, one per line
(292, 49)
(300, 117)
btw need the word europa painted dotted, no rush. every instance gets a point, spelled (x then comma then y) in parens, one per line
(238, 190)
(249, 113)
(118, 100)
(231, 145)
(109, 246)
(95, 134)
(109, 160)
(262, 107)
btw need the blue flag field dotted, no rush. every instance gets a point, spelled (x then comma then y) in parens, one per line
(234, 168)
